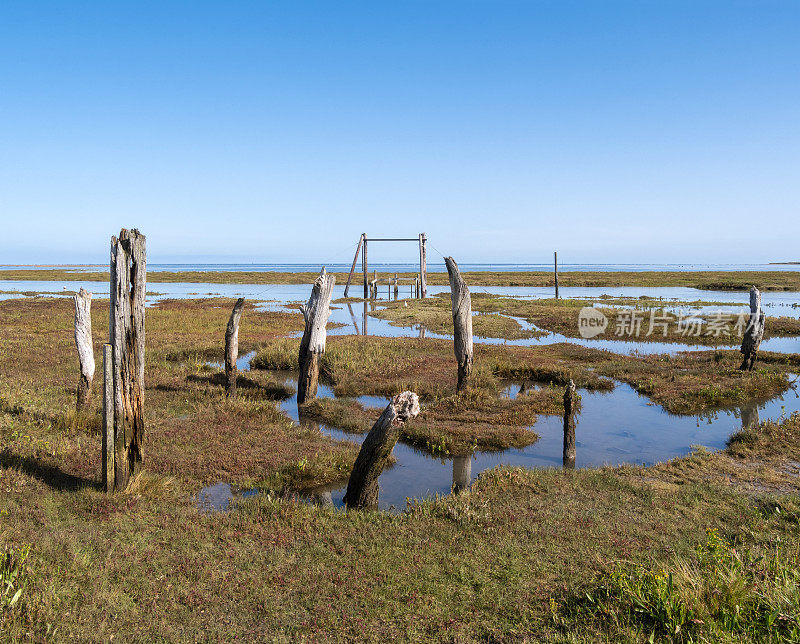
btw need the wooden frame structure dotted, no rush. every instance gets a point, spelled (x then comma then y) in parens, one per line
(421, 239)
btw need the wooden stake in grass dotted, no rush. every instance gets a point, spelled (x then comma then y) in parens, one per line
(83, 342)
(555, 270)
(108, 418)
(569, 426)
(462, 322)
(232, 348)
(126, 335)
(754, 332)
(316, 313)
(362, 488)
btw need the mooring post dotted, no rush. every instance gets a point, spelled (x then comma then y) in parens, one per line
(232, 348)
(126, 335)
(462, 473)
(353, 267)
(396, 289)
(754, 332)
(364, 266)
(462, 322)
(423, 266)
(83, 342)
(362, 487)
(315, 313)
(555, 269)
(107, 455)
(569, 425)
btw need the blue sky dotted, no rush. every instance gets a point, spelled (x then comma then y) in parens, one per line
(614, 132)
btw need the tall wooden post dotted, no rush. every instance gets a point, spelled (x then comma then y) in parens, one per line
(232, 348)
(83, 342)
(569, 425)
(462, 473)
(364, 266)
(462, 322)
(126, 335)
(316, 313)
(555, 270)
(362, 488)
(107, 455)
(353, 267)
(423, 266)
(754, 332)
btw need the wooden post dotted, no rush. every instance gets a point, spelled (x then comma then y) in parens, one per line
(126, 335)
(364, 329)
(462, 473)
(83, 342)
(555, 270)
(364, 266)
(569, 425)
(423, 266)
(107, 456)
(316, 313)
(353, 267)
(362, 488)
(754, 332)
(396, 289)
(232, 348)
(462, 322)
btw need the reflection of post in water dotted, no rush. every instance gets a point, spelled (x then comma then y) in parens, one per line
(364, 320)
(569, 426)
(462, 473)
(421, 332)
(749, 415)
(353, 317)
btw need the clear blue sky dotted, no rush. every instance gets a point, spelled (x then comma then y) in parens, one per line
(279, 131)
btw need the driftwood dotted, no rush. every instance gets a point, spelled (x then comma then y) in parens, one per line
(362, 488)
(232, 348)
(316, 313)
(83, 342)
(462, 322)
(569, 425)
(126, 335)
(754, 332)
(107, 456)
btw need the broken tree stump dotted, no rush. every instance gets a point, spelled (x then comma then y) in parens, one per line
(362, 488)
(569, 426)
(83, 342)
(462, 473)
(232, 348)
(316, 313)
(754, 332)
(126, 336)
(462, 322)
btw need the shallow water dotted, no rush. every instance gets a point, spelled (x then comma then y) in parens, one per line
(613, 428)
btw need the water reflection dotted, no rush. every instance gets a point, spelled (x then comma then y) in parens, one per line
(462, 473)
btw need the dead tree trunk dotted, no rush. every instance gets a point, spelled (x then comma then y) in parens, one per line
(462, 322)
(316, 313)
(83, 342)
(569, 426)
(126, 335)
(108, 418)
(754, 332)
(232, 348)
(362, 488)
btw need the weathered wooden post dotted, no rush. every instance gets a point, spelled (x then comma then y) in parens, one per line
(555, 270)
(462, 473)
(107, 457)
(83, 342)
(754, 332)
(396, 288)
(423, 266)
(362, 488)
(316, 313)
(569, 426)
(232, 348)
(364, 266)
(462, 322)
(126, 335)
(364, 328)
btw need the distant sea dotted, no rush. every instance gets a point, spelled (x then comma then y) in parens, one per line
(434, 267)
